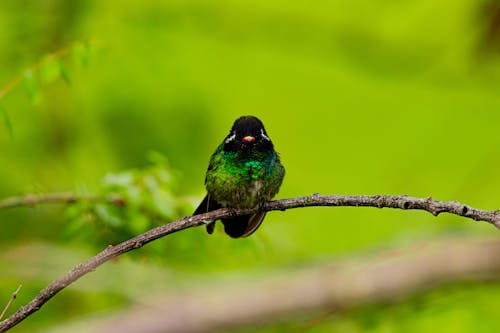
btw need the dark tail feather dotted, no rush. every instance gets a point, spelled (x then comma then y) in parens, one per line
(207, 205)
(243, 226)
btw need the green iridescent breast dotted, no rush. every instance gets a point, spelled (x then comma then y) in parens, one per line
(244, 180)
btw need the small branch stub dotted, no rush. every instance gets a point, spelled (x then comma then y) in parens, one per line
(11, 299)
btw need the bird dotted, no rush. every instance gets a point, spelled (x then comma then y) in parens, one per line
(244, 172)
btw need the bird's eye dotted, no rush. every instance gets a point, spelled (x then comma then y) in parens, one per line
(248, 138)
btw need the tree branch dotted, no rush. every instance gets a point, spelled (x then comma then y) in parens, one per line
(335, 287)
(390, 201)
(434, 207)
(63, 197)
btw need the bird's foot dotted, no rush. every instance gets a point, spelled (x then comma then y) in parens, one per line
(210, 227)
(232, 211)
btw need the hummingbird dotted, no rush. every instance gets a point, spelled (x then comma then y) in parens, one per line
(244, 172)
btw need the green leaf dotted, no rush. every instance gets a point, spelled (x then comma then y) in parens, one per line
(80, 54)
(157, 158)
(118, 180)
(94, 47)
(108, 215)
(65, 73)
(50, 70)
(6, 121)
(31, 86)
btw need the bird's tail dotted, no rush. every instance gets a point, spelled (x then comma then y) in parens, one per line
(243, 226)
(235, 227)
(207, 205)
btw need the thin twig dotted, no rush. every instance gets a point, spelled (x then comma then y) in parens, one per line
(58, 54)
(12, 298)
(15, 81)
(390, 201)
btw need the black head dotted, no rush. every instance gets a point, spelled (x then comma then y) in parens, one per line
(247, 133)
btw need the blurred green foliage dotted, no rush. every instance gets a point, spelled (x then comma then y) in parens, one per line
(144, 199)
(359, 97)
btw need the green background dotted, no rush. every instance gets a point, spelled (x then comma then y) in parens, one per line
(360, 97)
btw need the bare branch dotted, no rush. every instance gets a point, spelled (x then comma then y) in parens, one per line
(380, 201)
(336, 287)
(63, 197)
(12, 298)
(434, 207)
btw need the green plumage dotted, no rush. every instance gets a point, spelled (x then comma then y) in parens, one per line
(244, 180)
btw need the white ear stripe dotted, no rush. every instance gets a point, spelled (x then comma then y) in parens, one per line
(231, 138)
(263, 135)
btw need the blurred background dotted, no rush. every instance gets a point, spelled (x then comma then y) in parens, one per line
(359, 97)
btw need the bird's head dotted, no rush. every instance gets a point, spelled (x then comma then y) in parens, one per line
(247, 133)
